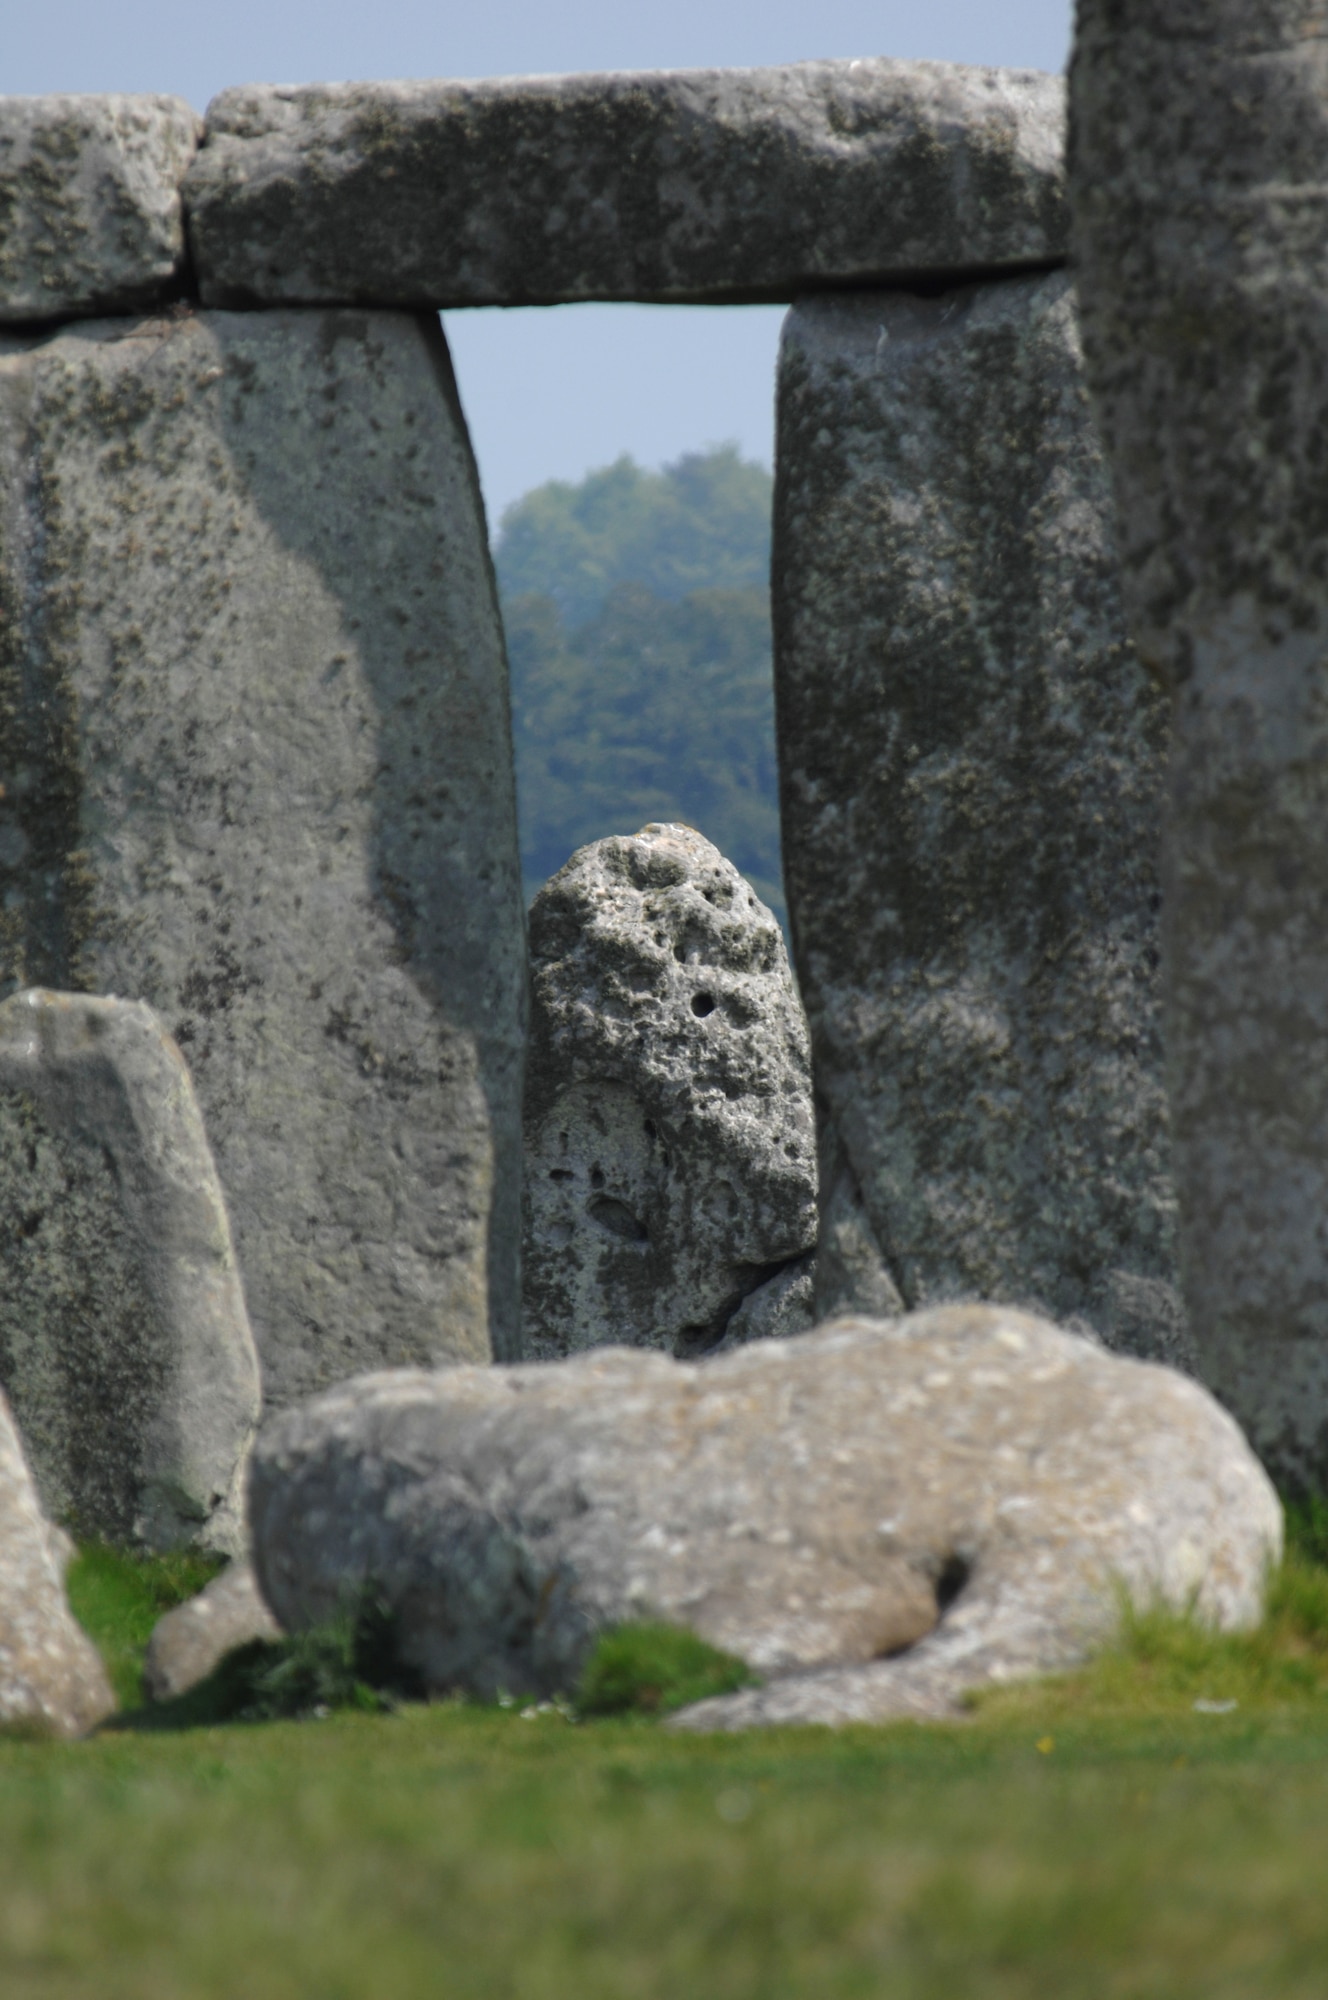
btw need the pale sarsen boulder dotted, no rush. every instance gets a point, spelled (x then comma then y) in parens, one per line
(51, 1678)
(876, 1516)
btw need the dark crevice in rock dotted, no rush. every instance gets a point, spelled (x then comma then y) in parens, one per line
(694, 1341)
(951, 1579)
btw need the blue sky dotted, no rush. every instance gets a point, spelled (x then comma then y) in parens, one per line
(549, 392)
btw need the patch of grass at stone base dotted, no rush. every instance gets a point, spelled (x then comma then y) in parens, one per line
(1164, 1662)
(655, 1669)
(345, 1663)
(117, 1597)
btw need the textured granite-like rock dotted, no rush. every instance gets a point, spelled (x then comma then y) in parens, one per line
(971, 762)
(257, 771)
(125, 1347)
(90, 213)
(670, 1163)
(190, 1642)
(51, 1677)
(971, 1483)
(683, 184)
(1201, 170)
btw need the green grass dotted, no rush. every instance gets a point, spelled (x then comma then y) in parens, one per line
(652, 1669)
(118, 1598)
(1089, 1838)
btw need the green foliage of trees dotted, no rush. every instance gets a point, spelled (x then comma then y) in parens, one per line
(700, 524)
(638, 630)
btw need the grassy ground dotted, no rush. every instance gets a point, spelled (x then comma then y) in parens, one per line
(1095, 1836)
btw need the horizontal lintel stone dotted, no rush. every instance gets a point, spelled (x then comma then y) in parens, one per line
(683, 185)
(90, 214)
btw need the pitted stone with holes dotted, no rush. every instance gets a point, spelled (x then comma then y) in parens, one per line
(670, 1162)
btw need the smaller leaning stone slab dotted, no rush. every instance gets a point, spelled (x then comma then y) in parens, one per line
(683, 185)
(90, 213)
(138, 1424)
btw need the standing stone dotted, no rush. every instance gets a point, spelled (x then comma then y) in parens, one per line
(687, 185)
(90, 213)
(877, 1516)
(670, 1158)
(1201, 193)
(257, 772)
(124, 1343)
(971, 758)
(51, 1678)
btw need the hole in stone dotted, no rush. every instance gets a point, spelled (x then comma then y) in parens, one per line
(617, 1218)
(628, 632)
(597, 1177)
(561, 1174)
(651, 1129)
(951, 1579)
(703, 1004)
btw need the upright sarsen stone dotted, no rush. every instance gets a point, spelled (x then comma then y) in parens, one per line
(1200, 165)
(971, 757)
(258, 773)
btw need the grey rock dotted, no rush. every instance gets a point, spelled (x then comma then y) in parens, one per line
(971, 762)
(682, 185)
(258, 773)
(783, 1306)
(1201, 143)
(125, 1347)
(191, 1642)
(51, 1677)
(670, 1156)
(90, 213)
(971, 1483)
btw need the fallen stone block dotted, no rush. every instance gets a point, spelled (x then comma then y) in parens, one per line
(1201, 168)
(90, 214)
(125, 1347)
(257, 772)
(670, 1166)
(972, 759)
(967, 1489)
(51, 1678)
(668, 185)
(191, 1642)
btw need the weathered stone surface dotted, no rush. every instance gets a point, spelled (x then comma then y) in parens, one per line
(51, 1678)
(971, 761)
(1201, 170)
(670, 1155)
(125, 1347)
(783, 1306)
(193, 1640)
(257, 771)
(971, 1478)
(90, 213)
(685, 184)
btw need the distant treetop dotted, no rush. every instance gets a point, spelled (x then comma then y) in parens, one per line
(702, 523)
